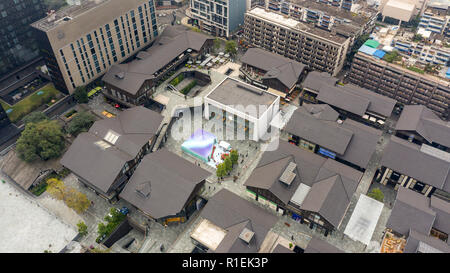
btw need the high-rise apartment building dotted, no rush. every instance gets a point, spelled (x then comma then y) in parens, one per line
(318, 48)
(402, 84)
(81, 42)
(17, 43)
(219, 17)
(284, 5)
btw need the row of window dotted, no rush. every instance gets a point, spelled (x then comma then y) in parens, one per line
(100, 63)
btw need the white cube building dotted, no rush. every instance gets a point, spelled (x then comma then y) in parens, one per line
(242, 105)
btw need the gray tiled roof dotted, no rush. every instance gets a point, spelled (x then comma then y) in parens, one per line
(442, 209)
(379, 104)
(285, 70)
(329, 135)
(267, 177)
(415, 239)
(350, 97)
(172, 180)
(135, 127)
(418, 118)
(332, 182)
(406, 158)
(232, 213)
(351, 140)
(316, 245)
(329, 198)
(170, 44)
(411, 211)
(363, 143)
(322, 111)
(315, 80)
(340, 98)
(281, 249)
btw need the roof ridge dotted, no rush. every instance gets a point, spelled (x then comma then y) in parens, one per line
(268, 163)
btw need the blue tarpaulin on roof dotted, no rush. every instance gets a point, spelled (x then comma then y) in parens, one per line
(367, 49)
(447, 74)
(379, 53)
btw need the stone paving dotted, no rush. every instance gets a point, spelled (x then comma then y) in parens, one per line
(28, 227)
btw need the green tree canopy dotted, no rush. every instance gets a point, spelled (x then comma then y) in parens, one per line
(228, 164)
(81, 94)
(81, 122)
(82, 228)
(34, 117)
(217, 43)
(234, 155)
(43, 140)
(230, 47)
(221, 171)
(376, 194)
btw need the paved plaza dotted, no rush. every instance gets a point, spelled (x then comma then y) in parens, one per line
(28, 227)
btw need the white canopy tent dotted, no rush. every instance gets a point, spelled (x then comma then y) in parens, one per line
(364, 219)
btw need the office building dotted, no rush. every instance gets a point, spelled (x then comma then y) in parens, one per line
(218, 17)
(81, 42)
(17, 43)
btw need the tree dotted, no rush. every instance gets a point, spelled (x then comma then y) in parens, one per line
(228, 164)
(376, 194)
(80, 94)
(230, 47)
(417, 38)
(196, 29)
(221, 171)
(234, 155)
(82, 228)
(391, 56)
(80, 123)
(217, 44)
(56, 188)
(43, 140)
(358, 43)
(71, 197)
(76, 200)
(34, 117)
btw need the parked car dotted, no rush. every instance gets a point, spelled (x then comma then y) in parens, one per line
(124, 210)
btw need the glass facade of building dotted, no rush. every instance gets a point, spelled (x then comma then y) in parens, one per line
(17, 43)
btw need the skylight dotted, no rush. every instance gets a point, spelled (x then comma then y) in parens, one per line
(111, 137)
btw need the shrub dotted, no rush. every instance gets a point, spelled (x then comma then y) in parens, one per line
(376, 194)
(188, 88)
(177, 79)
(40, 188)
(82, 228)
(80, 123)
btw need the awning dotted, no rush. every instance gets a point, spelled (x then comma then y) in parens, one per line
(161, 99)
(276, 92)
